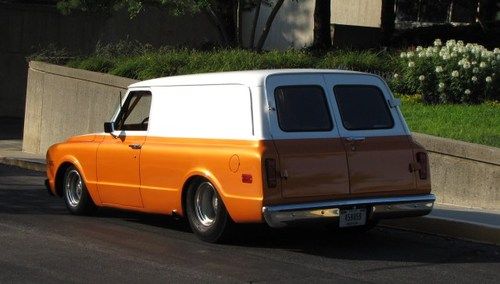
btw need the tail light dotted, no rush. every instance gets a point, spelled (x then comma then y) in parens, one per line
(271, 172)
(422, 161)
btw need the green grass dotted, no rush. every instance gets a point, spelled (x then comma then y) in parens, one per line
(472, 123)
(169, 62)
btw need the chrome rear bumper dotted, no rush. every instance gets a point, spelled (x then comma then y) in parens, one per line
(378, 208)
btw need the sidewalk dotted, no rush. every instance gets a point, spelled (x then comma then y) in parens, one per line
(11, 154)
(11, 144)
(457, 222)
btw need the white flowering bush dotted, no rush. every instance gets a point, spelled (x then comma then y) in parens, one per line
(453, 72)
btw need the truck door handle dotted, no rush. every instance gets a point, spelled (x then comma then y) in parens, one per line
(354, 139)
(135, 146)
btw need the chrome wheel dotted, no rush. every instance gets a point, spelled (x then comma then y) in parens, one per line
(73, 187)
(206, 203)
(205, 211)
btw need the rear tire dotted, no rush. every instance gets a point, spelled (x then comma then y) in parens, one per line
(75, 193)
(206, 212)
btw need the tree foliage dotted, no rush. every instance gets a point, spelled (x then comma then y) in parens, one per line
(175, 7)
(225, 15)
(219, 11)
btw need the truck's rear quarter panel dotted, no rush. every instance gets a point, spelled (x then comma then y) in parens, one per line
(167, 163)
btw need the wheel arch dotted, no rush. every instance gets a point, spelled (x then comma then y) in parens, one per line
(191, 180)
(58, 181)
(61, 169)
(195, 176)
(240, 209)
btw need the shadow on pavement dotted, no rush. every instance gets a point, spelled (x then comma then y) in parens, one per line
(22, 192)
(377, 244)
(413, 249)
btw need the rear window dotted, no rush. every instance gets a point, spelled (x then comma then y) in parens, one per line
(302, 109)
(362, 107)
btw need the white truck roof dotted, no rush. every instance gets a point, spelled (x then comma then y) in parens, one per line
(249, 78)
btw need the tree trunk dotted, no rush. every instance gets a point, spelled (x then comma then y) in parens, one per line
(254, 24)
(239, 27)
(487, 11)
(268, 25)
(322, 25)
(212, 16)
(387, 20)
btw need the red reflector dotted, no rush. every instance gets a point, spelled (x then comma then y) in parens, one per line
(246, 178)
(271, 173)
(422, 160)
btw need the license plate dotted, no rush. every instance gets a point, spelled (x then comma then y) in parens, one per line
(352, 217)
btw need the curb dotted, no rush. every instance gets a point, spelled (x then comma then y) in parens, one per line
(448, 227)
(28, 164)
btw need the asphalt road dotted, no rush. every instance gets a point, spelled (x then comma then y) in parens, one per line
(41, 242)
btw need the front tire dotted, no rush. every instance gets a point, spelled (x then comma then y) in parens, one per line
(206, 212)
(75, 193)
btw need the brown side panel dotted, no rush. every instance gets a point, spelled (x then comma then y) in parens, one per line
(380, 164)
(270, 195)
(312, 167)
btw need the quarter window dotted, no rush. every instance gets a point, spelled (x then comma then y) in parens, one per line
(363, 107)
(134, 114)
(302, 109)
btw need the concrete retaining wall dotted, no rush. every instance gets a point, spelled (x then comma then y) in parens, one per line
(61, 102)
(463, 173)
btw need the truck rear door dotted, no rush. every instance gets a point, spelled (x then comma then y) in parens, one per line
(312, 159)
(374, 134)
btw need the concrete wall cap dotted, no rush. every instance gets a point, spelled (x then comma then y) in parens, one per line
(471, 151)
(84, 75)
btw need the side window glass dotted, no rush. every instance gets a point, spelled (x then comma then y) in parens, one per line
(302, 109)
(134, 114)
(363, 107)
